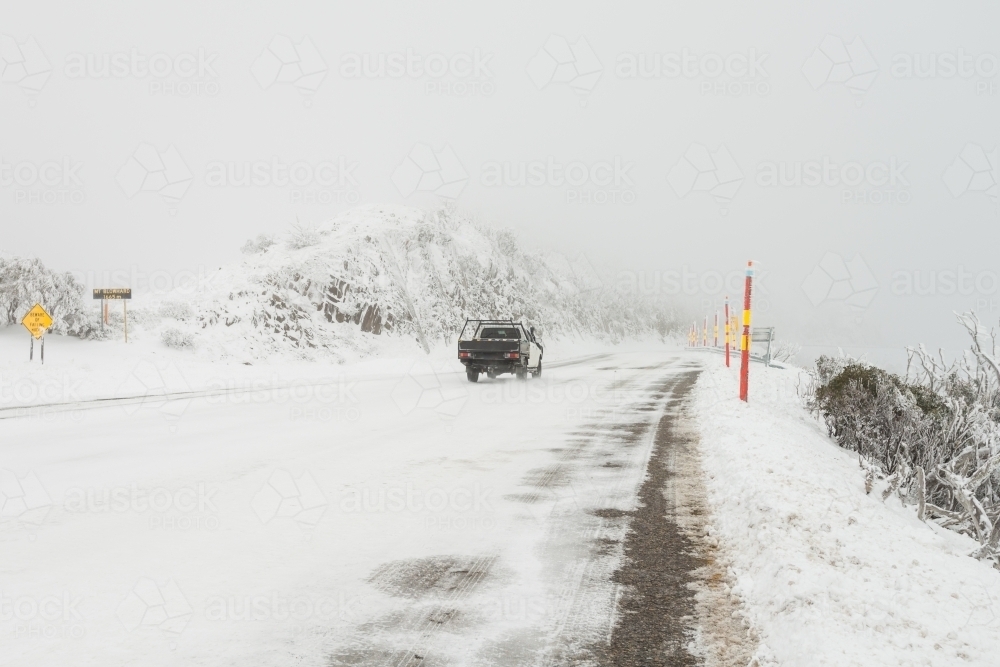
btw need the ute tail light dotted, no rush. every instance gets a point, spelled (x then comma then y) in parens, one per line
(511, 355)
(464, 355)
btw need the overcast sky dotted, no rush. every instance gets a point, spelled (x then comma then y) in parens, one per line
(660, 139)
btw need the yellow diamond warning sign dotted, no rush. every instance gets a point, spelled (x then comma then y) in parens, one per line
(37, 321)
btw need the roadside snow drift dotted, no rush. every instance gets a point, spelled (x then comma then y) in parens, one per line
(830, 575)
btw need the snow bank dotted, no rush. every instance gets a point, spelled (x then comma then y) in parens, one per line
(828, 574)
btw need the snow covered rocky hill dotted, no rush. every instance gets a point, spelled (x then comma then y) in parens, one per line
(384, 275)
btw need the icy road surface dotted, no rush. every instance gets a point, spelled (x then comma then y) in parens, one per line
(366, 519)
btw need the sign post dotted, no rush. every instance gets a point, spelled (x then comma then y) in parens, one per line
(122, 294)
(745, 339)
(763, 335)
(727, 333)
(37, 322)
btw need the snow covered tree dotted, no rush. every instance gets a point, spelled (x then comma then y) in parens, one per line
(25, 282)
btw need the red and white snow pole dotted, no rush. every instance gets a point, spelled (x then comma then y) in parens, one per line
(727, 333)
(715, 330)
(704, 332)
(745, 340)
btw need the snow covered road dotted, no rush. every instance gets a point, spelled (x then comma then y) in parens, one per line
(376, 518)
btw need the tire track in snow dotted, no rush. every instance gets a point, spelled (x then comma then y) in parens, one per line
(656, 615)
(432, 621)
(586, 600)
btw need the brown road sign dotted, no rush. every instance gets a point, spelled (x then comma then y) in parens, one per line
(113, 293)
(37, 321)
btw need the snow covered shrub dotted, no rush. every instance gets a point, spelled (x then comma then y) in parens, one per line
(935, 435)
(260, 244)
(506, 242)
(302, 236)
(178, 310)
(785, 351)
(176, 338)
(873, 412)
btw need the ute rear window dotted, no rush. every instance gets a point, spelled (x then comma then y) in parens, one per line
(496, 333)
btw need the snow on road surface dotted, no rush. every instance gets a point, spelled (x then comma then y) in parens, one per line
(376, 515)
(390, 513)
(830, 575)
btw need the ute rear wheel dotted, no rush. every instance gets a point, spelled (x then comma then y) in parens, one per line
(538, 371)
(521, 373)
(472, 375)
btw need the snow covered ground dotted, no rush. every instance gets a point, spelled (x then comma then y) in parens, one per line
(337, 513)
(830, 575)
(387, 509)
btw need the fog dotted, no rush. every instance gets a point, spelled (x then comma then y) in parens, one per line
(849, 150)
